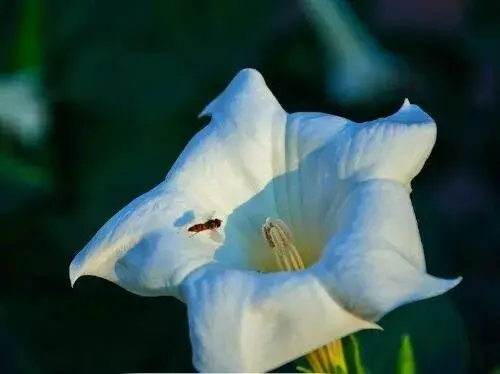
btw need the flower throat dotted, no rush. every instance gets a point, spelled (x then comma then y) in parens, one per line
(328, 358)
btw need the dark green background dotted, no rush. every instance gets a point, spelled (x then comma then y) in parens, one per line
(125, 81)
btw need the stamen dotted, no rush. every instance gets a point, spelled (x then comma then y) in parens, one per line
(278, 237)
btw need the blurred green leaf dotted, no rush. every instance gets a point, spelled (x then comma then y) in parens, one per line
(356, 356)
(339, 370)
(30, 36)
(439, 339)
(21, 172)
(302, 369)
(406, 360)
(21, 182)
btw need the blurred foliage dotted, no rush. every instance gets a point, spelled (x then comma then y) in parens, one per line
(30, 36)
(357, 362)
(125, 82)
(406, 361)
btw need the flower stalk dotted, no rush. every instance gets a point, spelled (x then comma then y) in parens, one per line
(330, 357)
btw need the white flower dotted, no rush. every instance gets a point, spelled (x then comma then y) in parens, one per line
(341, 188)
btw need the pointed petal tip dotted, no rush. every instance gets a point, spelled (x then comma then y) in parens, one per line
(247, 80)
(79, 267)
(208, 109)
(412, 114)
(456, 281)
(368, 325)
(433, 286)
(448, 284)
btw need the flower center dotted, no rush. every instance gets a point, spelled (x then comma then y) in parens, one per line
(330, 357)
(279, 239)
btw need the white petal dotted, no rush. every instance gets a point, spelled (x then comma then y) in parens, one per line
(248, 322)
(328, 155)
(375, 262)
(395, 147)
(307, 191)
(145, 247)
(233, 158)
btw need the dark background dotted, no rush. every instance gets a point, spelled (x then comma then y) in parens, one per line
(124, 81)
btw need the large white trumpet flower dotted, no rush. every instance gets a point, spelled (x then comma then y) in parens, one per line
(318, 237)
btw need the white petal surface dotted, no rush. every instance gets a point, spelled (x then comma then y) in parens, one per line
(141, 249)
(375, 263)
(249, 322)
(327, 156)
(145, 247)
(395, 147)
(232, 159)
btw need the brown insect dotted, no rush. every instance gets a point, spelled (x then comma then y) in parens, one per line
(211, 224)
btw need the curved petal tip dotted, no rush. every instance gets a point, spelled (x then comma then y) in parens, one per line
(375, 326)
(76, 269)
(434, 286)
(99, 261)
(448, 284)
(72, 280)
